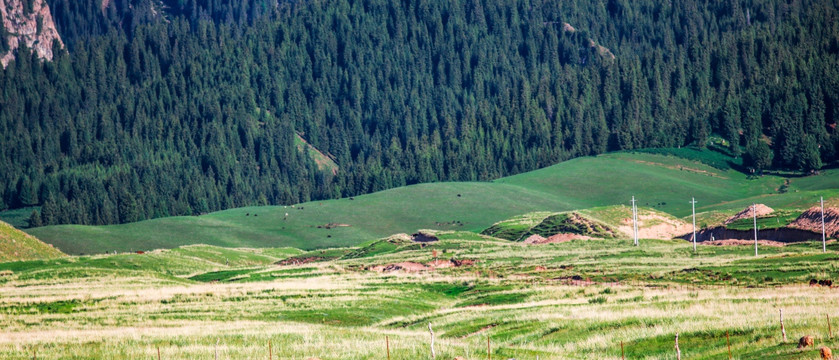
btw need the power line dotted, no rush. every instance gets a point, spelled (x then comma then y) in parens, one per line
(693, 207)
(754, 217)
(824, 241)
(635, 220)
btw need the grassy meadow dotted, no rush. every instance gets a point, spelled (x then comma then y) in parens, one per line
(661, 182)
(573, 300)
(18, 245)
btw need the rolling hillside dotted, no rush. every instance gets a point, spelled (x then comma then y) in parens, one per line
(659, 182)
(16, 245)
(552, 301)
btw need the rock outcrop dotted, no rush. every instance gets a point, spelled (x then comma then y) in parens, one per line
(31, 26)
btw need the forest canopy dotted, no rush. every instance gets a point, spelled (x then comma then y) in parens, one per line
(179, 107)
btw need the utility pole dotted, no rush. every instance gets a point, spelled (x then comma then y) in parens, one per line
(754, 217)
(824, 241)
(693, 207)
(635, 221)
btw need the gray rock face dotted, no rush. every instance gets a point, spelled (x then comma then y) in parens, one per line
(36, 29)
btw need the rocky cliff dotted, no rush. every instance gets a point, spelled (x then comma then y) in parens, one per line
(28, 22)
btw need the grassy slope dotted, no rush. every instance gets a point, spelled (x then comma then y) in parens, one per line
(336, 309)
(17, 245)
(661, 182)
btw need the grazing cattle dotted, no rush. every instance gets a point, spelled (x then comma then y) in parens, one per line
(826, 353)
(805, 341)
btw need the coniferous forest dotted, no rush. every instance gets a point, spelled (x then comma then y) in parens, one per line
(178, 107)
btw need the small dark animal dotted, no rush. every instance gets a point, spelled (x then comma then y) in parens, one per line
(458, 195)
(255, 214)
(827, 282)
(805, 341)
(826, 353)
(248, 214)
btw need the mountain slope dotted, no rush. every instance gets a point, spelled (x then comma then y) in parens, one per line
(16, 245)
(27, 22)
(659, 182)
(396, 93)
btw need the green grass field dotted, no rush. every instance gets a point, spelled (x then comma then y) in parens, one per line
(18, 245)
(574, 300)
(661, 182)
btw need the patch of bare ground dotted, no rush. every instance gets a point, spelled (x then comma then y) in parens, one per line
(655, 226)
(680, 167)
(811, 220)
(760, 209)
(558, 238)
(737, 242)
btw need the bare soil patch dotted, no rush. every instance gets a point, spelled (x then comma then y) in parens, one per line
(811, 220)
(558, 238)
(655, 226)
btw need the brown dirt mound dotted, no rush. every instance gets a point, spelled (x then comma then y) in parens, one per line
(811, 220)
(742, 242)
(747, 213)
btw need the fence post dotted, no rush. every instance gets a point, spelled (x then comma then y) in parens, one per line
(678, 352)
(433, 354)
(387, 345)
(623, 355)
(270, 351)
(489, 353)
(728, 342)
(783, 331)
(158, 352)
